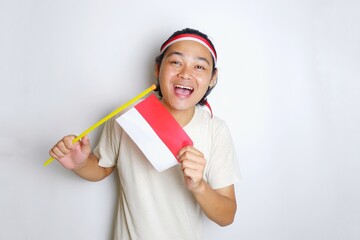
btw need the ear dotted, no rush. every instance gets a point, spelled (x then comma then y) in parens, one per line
(156, 71)
(214, 79)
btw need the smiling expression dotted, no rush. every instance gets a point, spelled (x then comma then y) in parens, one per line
(185, 74)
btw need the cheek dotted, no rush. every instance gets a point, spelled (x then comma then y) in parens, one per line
(162, 72)
(204, 80)
(164, 83)
(165, 75)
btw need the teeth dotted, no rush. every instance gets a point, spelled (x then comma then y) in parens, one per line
(184, 87)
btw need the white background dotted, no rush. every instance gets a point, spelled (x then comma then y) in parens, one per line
(289, 89)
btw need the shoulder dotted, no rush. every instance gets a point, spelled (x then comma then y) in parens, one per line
(207, 128)
(203, 117)
(201, 114)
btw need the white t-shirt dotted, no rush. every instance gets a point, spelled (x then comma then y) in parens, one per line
(155, 205)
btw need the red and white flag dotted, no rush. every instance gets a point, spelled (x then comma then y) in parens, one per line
(155, 131)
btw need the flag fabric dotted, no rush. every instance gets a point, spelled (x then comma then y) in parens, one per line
(155, 132)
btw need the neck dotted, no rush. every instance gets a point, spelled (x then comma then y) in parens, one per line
(183, 117)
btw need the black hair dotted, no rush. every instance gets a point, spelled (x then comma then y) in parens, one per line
(159, 59)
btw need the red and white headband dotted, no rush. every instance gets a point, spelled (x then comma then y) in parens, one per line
(191, 37)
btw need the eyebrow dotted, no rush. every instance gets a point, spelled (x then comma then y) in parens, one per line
(182, 55)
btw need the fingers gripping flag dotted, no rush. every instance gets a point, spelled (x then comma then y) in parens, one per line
(155, 132)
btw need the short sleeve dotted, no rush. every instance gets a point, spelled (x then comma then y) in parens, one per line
(107, 149)
(223, 167)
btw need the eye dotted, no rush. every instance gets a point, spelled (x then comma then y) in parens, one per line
(174, 62)
(199, 67)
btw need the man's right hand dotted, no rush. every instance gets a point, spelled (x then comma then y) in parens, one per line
(71, 156)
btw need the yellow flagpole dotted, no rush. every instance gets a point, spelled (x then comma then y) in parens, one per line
(113, 113)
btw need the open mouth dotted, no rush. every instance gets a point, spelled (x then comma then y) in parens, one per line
(183, 90)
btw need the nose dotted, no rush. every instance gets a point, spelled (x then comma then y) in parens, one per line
(185, 72)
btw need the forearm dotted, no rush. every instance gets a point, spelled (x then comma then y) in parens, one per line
(217, 207)
(91, 171)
